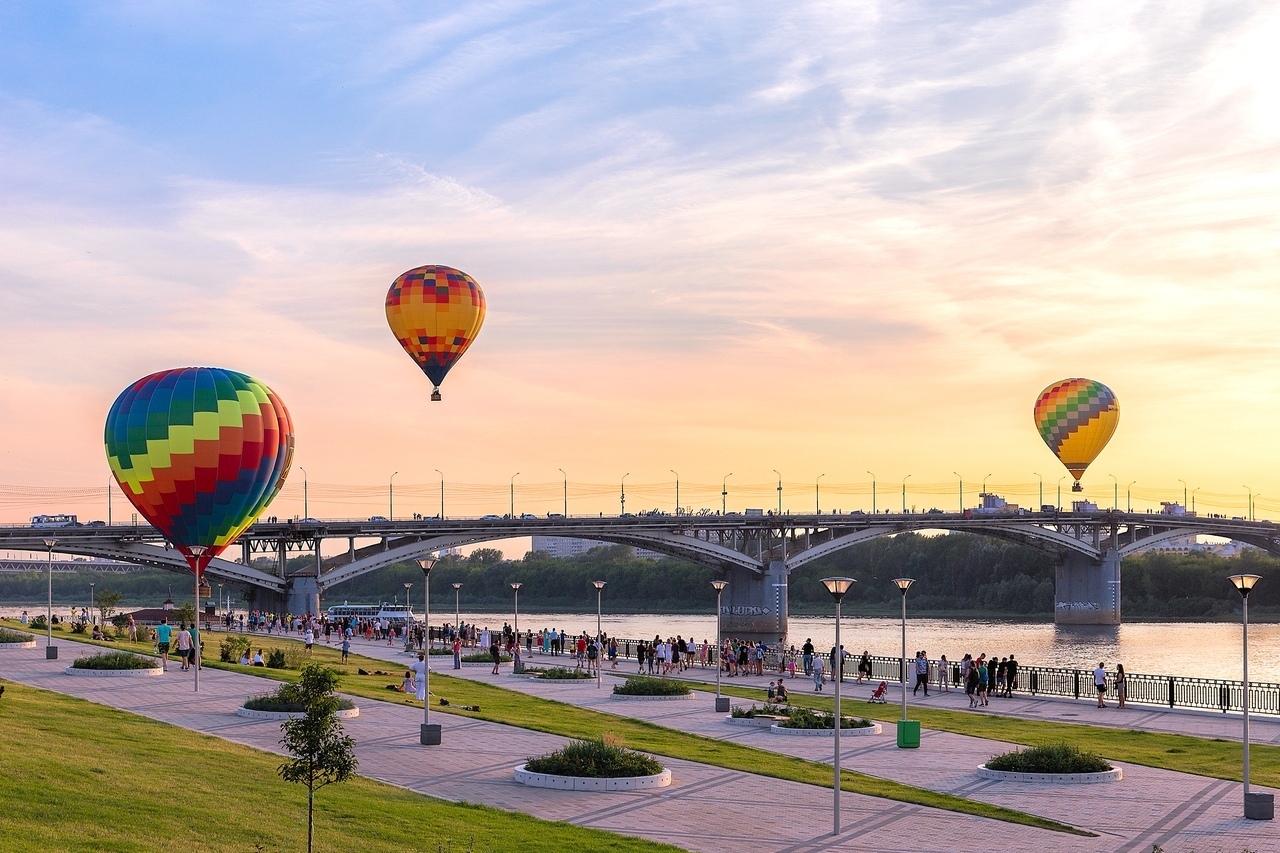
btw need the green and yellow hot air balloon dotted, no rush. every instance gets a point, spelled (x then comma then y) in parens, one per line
(1076, 418)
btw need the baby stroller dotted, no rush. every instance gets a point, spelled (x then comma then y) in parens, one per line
(879, 695)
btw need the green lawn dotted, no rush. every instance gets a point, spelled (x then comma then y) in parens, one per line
(79, 776)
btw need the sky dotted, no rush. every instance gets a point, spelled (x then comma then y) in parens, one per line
(811, 239)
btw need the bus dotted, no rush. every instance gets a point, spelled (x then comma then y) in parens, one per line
(56, 520)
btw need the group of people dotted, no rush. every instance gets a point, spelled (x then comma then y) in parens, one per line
(184, 643)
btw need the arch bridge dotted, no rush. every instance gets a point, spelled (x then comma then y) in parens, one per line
(756, 553)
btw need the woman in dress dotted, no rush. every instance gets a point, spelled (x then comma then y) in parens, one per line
(1121, 685)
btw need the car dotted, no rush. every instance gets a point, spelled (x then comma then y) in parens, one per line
(491, 517)
(555, 515)
(377, 518)
(96, 524)
(309, 520)
(525, 515)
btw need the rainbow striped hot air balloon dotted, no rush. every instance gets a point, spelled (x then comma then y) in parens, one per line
(1076, 418)
(435, 312)
(201, 452)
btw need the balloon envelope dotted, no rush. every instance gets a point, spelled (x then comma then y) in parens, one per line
(200, 451)
(435, 312)
(1076, 418)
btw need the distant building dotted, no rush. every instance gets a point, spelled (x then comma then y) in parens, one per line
(563, 546)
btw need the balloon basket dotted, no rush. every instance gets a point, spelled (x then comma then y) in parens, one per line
(435, 395)
(1077, 487)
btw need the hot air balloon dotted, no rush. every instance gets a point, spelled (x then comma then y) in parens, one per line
(435, 312)
(201, 452)
(1076, 418)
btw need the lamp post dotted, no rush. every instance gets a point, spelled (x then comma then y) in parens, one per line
(110, 484)
(908, 735)
(837, 587)
(93, 618)
(873, 493)
(623, 511)
(1115, 491)
(1128, 496)
(1257, 806)
(1059, 503)
(1040, 506)
(566, 491)
(904, 493)
(457, 613)
(50, 650)
(677, 473)
(441, 473)
(599, 585)
(430, 734)
(817, 503)
(407, 635)
(513, 494)
(516, 587)
(1193, 499)
(391, 497)
(775, 470)
(722, 702)
(984, 483)
(197, 551)
(1184, 493)
(724, 493)
(305, 514)
(224, 611)
(957, 473)
(1249, 511)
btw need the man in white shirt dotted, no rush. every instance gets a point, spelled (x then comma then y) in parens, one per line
(419, 670)
(184, 647)
(1100, 682)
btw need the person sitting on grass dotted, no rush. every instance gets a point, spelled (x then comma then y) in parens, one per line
(257, 659)
(244, 659)
(408, 686)
(780, 696)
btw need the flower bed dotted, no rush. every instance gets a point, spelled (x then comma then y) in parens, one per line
(114, 664)
(642, 687)
(802, 721)
(1051, 763)
(559, 673)
(753, 717)
(16, 639)
(593, 765)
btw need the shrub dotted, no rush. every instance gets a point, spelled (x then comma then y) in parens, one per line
(79, 627)
(644, 686)
(295, 656)
(1053, 758)
(39, 624)
(484, 657)
(560, 673)
(7, 636)
(595, 758)
(753, 711)
(275, 659)
(803, 718)
(287, 698)
(114, 660)
(121, 622)
(232, 648)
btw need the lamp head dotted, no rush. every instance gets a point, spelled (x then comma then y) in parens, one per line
(198, 550)
(904, 584)
(408, 584)
(719, 586)
(516, 586)
(49, 543)
(1244, 583)
(599, 584)
(457, 586)
(838, 586)
(426, 563)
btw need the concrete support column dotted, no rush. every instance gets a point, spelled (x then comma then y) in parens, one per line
(1088, 592)
(755, 604)
(302, 595)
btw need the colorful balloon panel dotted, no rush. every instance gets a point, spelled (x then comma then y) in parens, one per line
(435, 312)
(1076, 418)
(201, 452)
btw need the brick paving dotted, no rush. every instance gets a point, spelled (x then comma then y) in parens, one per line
(709, 808)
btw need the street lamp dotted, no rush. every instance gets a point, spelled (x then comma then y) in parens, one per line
(1040, 506)
(1193, 499)
(984, 483)
(1257, 806)
(677, 473)
(904, 493)
(50, 650)
(961, 491)
(305, 513)
(441, 473)
(873, 493)
(1059, 503)
(429, 734)
(566, 492)
(599, 585)
(93, 618)
(391, 497)
(837, 587)
(724, 493)
(457, 618)
(1115, 491)
(516, 587)
(775, 470)
(220, 600)
(513, 494)
(623, 511)
(908, 730)
(722, 702)
(817, 504)
(407, 635)
(1184, 493)
(1128, 496)
(1249, 511)
(197, 551)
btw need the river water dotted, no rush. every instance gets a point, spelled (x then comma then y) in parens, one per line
(1195, 649)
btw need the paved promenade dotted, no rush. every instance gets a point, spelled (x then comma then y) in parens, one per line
(708, 808)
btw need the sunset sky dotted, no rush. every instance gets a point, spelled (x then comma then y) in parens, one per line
(822, 238)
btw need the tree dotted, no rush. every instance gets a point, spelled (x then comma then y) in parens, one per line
(322, 753)
(107, 601)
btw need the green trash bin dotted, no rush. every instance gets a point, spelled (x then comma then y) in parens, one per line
(909, 734)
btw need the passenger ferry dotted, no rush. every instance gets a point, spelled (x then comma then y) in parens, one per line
(396, 614)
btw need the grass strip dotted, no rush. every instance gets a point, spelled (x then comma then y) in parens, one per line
(83, 777)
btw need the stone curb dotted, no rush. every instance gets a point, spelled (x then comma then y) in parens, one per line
(753, 722)
(113, 673)
(1113, 775)
(583, 783)
(677, 696)
(25, 644)
(864, 731)
(242, 711)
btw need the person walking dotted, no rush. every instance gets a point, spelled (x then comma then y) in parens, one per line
(163, 633)
(816, 668)
(807, 651)
(1011, 676)
(922, 674)
(184, 646)
(1100, 683)
(346, 645)
(495, 652)
(457, 653)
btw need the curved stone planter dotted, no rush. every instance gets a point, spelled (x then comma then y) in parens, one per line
(583, 783)
(753, 722)
(641, 698)
(113, 673)
(536, 680)
(1113, 775)
(864, 731)
(25, 644)
(242, 711)
(488, 663)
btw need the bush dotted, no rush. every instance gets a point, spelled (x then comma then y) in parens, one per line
(803, 718)
(753, 711)
(559, 673)
(39, 624)
(484, 657)
(639, 685)
(1054, 758)
(233, 648)
(79, 627)
(275, 659)
(7, 636)
(114, 660)
(287, 698)
(295, 656)
(596, 759)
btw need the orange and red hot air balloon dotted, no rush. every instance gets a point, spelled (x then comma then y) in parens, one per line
(1076, 418)
(435, 312)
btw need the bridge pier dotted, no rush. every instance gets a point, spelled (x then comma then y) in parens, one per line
(302, 595)
(1087, 592)
(755, 604)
